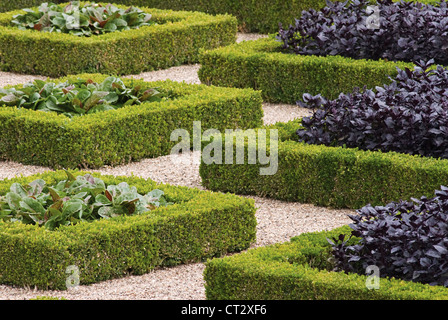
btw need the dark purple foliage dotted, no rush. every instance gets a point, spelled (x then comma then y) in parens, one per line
(406, 240)
(408, 31)
(409, 116)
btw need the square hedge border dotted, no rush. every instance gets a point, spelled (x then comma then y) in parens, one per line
(176, 40)
(299, 270)
(284, 77)
(200, 225)
(328, 176)
(253, 16)
(127, 134)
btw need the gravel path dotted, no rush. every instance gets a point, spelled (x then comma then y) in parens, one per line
(278, 221)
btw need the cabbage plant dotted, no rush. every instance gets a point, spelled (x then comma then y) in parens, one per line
(81, 20)
(76, 199)
(79, 97)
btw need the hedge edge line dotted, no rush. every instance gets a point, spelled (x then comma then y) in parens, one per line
(127, 134)
(200, 225)
(253, 16)
(176, 40)
(282, 77)
(328, 176)
(299, 270)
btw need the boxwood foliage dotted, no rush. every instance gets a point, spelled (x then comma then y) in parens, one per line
(300, 269)
(127, 134)
(253, 16)
(261, 16)
(199, 225)
(329, 176)
(176, 39)
(282, 77)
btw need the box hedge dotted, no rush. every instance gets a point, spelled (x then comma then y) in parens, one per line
(329, 176)
(253, 16)
(300, 270)
(200, 225)
(176, 39)
(126, 134)
(283, 77)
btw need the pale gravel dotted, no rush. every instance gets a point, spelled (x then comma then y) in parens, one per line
(278, 221)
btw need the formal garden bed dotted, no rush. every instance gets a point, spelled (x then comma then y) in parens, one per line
(329, 176)
(284, 68)
(172, 38)
(260, 16)
(300, 270)
(51, 136)
(361, 148)
(366, 148)
(195, 225)
(377, 135)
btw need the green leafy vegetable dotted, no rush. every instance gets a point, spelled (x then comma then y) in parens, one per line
(84, 198)
(90, 19)
(78, 98)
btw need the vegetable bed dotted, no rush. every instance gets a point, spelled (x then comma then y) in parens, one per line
(253, 16)
(112, 137)
(173, 38)
(194, 226)
(332, 50)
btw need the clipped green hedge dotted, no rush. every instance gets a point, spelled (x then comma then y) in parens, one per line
(9, 5)
(176, 40)
(253, 16)
(329, 176)
(299, 270)
(286, 77)
(200, 225)
(126, 134)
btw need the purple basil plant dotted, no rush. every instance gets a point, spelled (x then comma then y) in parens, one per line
(407, 31)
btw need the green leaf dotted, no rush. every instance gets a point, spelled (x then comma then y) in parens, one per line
(155, 194)
(101, 108)
(83, 95)
(54, 194)
(13, 200)
(110, 212)
(39, 83)
(36, 187)
(120, 22)
(110, 26)
(70, 176)
(52, 104)
(94, 98)
(101, 199)
(18, 189)
(9, 99)
(31, 205)
(71, 207)
(111, 97)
